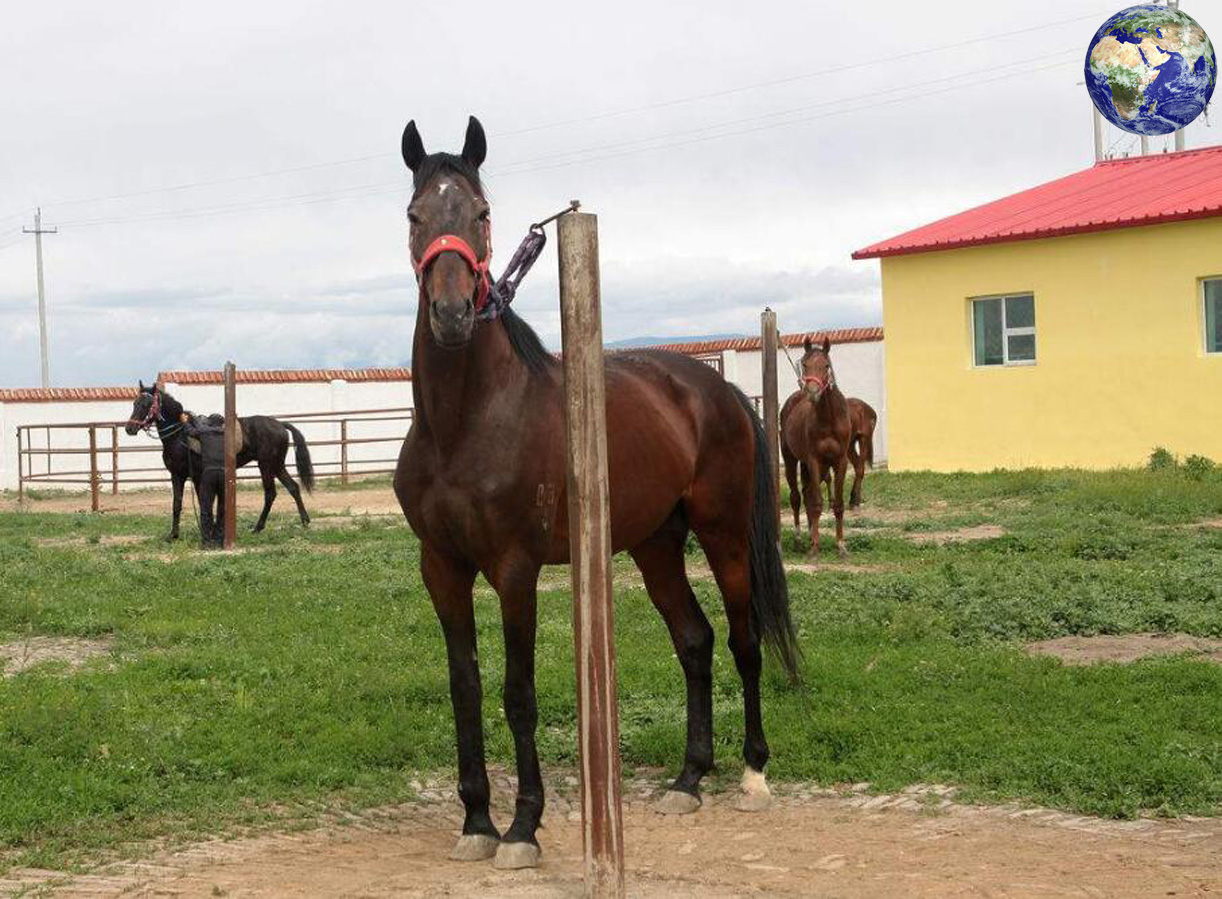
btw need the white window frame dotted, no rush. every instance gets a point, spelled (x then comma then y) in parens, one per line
(1205, 314)
(1006, 331)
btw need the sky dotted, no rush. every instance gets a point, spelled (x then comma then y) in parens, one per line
(226, 179)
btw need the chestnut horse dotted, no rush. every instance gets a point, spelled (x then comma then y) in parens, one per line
(864, 421)
(816, 433)
(481, 479)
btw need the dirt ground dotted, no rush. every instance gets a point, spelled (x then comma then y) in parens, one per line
(19, 655)
(1125, 647)
(810, 843)
(366, 501)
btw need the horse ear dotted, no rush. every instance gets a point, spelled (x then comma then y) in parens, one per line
(141, 382)
(827, 346)
(806, 346)
(413, 146)
(475, 147)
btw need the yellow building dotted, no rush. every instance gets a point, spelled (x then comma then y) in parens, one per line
(1078, 323)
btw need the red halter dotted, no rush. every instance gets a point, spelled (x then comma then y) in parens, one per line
(452, 243)
(153, 414)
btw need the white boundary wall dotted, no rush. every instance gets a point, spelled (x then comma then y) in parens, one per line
(859, 371)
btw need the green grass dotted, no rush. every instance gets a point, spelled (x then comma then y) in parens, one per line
(313, 669)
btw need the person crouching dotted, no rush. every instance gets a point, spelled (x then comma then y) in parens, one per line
(206, 441)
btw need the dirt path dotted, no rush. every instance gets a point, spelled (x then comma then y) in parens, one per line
(810, 843)
(366, 501)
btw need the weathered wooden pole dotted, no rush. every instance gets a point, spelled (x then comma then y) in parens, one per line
(114, 460)
(20, 472)
(343, 451)
(772, 417)
(93, 468)
(231, 455)
(590, 550)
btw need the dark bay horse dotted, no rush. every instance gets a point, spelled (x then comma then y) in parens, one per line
(863, 422)
(816, 433)
(266, 440)
(481, 479)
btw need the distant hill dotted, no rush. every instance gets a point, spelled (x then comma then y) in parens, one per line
(654, 341)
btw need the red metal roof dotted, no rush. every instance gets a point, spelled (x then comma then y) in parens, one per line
(1117, 193)
(67, 394)
(699, 347)
(287, 376)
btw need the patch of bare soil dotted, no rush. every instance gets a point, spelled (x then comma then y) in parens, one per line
(19, 655)
(1124, 647)
(104, 540)
(835, 565)
(369, 501)
(1210, 523)
(811, 842)
(959, 535)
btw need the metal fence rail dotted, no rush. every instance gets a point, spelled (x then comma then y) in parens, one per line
(46, 460)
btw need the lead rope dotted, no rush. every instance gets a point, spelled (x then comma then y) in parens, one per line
(797, 370)
(502, 292)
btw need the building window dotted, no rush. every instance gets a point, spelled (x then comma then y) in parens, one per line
(1003, 330)
(1212, 289)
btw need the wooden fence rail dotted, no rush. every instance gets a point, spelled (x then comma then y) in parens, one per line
(39, 456)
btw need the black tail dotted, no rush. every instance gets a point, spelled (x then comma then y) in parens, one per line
(769, 591)
(305, 466)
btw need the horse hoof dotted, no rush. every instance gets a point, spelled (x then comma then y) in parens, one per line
(512, 856)
(676, 802)
(842, 552)
(474, 847)
(755, 795)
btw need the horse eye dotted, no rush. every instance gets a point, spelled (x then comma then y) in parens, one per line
(485, 215)
(413, 218)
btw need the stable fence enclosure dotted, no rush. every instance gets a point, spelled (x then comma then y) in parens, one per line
(102, 458)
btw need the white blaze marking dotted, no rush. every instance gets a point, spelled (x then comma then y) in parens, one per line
(443, 187)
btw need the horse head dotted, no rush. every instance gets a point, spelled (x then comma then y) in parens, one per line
(817, 374)
(145, 410)
(451, 233)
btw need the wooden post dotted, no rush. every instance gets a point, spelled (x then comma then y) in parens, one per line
(231, 447)
(20, 472)
(343, 451)
(590, 551)
(772, 416)
(93, 468)
(114, 460)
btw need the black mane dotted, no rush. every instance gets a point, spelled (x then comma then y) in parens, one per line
(526, 343)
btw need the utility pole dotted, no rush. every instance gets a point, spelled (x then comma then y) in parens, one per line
(38, 231)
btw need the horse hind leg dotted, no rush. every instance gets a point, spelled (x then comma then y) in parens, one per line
(859, 474)
(269, 497)
(731, 564)
(295, 492)
(661, 561)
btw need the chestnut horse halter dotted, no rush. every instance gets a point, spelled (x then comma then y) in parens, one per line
(452, 243)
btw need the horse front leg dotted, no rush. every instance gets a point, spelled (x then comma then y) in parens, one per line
(449, 584)
(814, 503)
(176, 484)
(838, 476)
(516, 584)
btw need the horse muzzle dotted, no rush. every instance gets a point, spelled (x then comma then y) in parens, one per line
(452, 323)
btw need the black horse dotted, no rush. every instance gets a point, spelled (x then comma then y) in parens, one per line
(265, 440)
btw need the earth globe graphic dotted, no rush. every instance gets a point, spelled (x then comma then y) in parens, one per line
(1151, 69)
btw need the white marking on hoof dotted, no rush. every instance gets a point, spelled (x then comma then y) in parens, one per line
(755, 796)
(474, 847)
(676, 802)
(842, 550)
(512, 856)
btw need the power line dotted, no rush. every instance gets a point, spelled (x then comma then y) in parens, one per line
(959, 81)
(677, 101)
